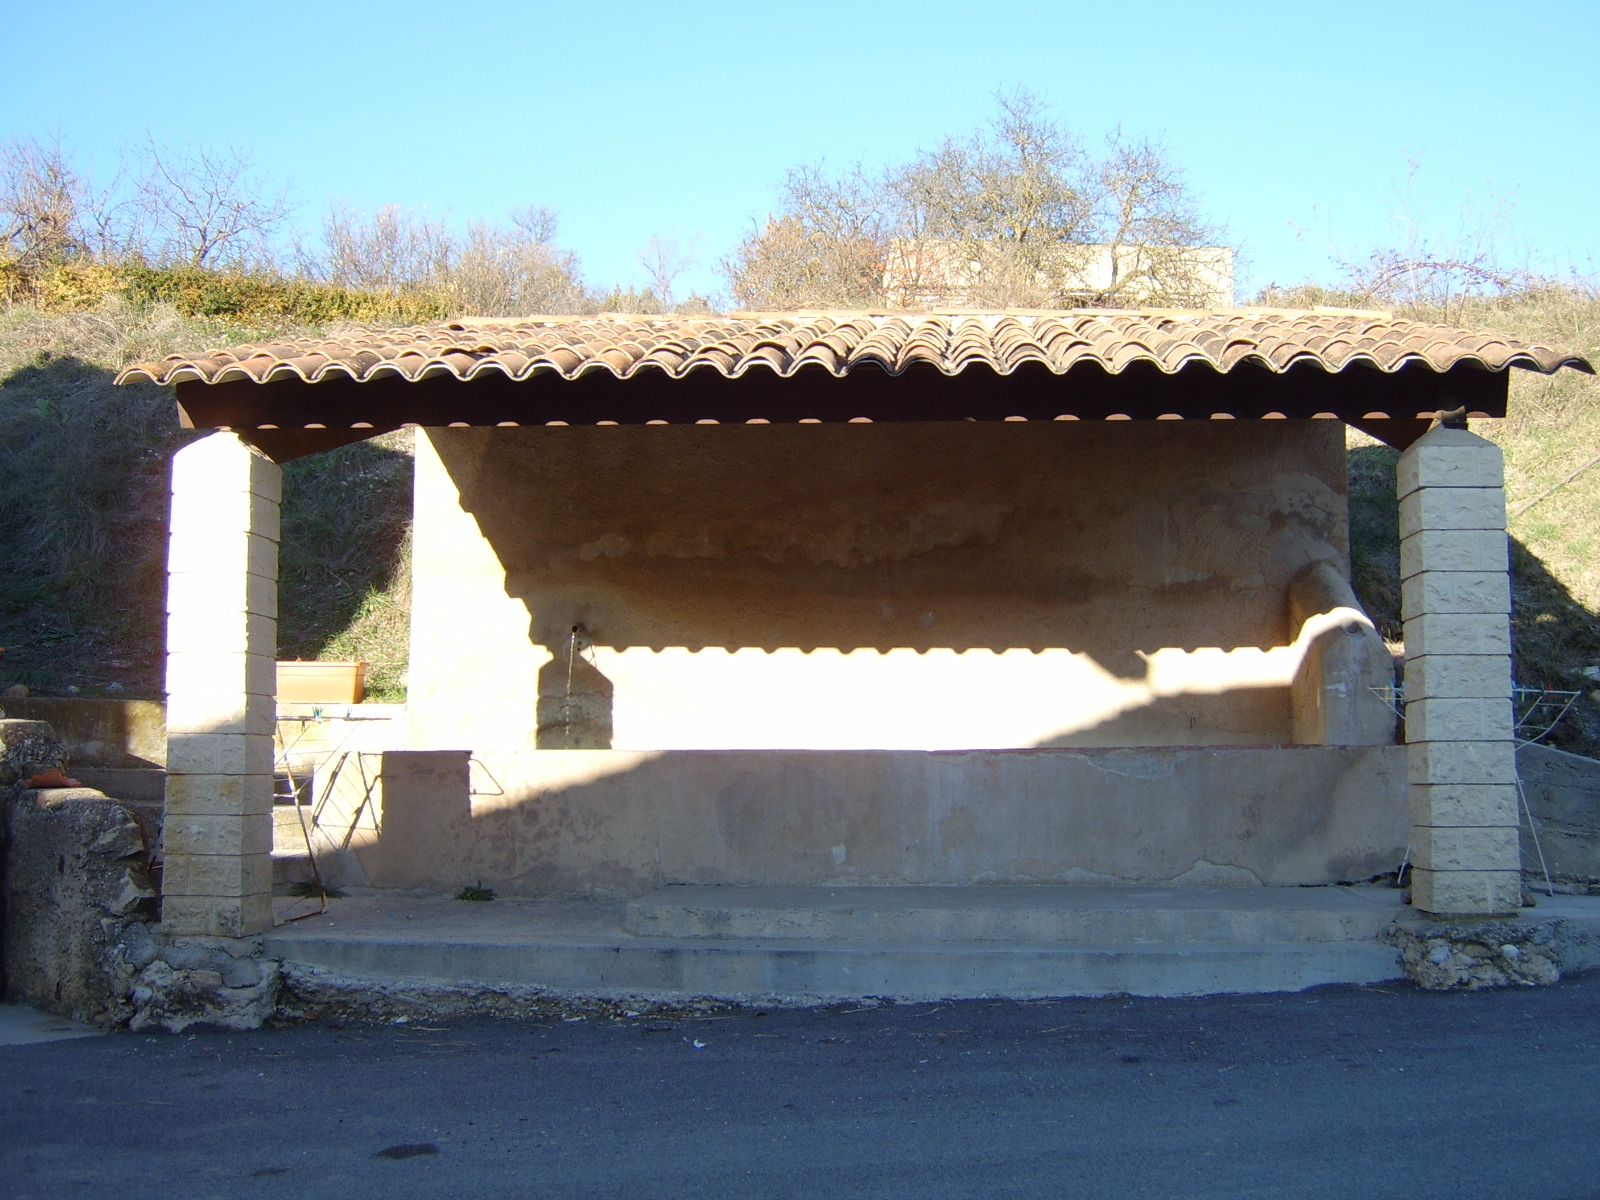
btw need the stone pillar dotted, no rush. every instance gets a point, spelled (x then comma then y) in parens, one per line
(222, 632)
(1456, 601)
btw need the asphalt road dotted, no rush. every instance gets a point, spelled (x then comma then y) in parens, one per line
(1338, 1092)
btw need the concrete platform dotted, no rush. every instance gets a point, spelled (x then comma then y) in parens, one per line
(802, 945)
(24, 1026)
(1038, 915)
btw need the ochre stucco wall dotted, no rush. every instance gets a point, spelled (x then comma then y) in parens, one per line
(865, 586)
(618, 823)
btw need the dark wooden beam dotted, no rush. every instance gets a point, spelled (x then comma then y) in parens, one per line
(286, 445)
(1088, 392)
(1396, 433)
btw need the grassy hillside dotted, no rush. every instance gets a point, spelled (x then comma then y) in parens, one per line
(83, 503)
(83, 470)
(1550, 439)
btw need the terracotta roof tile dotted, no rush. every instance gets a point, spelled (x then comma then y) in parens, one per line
(843, 342)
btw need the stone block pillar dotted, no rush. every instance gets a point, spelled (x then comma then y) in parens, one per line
(222, 632)
(1456, 600)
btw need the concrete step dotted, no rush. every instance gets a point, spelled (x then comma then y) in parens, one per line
(584, 948)
(1037, 914)
(806, 971)
(290, 863)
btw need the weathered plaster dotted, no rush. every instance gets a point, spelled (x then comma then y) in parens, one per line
(618, 823)
(909, 586)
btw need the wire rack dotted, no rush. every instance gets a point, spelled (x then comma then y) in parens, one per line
(1537, 710)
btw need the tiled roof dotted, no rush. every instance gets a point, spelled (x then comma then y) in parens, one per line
(844, 342)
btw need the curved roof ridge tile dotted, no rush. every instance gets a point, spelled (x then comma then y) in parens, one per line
(841, 341)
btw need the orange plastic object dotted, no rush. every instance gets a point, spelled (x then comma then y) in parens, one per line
(55, 777)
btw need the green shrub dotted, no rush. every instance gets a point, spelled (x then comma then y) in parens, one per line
(269, 299)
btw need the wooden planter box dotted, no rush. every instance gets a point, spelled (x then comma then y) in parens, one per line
(321, 682)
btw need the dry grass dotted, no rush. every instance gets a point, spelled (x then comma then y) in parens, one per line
(1552, 431)
(345, 562)
(84, 469)
(83, 482)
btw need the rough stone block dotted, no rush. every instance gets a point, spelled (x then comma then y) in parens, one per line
(1457, 633)
(218, 795)
(1467, 804)
(1453, 550)
(1449, 458)
(223, 876)
(1462, 762)
(1454, 508)
(242, 972)
(1456, 592)
(219, 754)
(73, 884)
(1466, 848)
(1458, 677)
(201, 632)
(236, 554)
(1467, 893)
(221, 675)
(222, 463)
(209, 916)
(218, 835)
(230, 713)
(218, 515)
(27, 748)
(1456, 720)
(192, 592)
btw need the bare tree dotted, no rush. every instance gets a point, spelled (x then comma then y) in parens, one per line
(1432, 267)
(826, 246)
(515, 271)
(536, 222)
(52, 213)
(207, 207)
(1157, 246)
(390, 250)
(41, 204)
(664, 259)
(1016, 213)
(499, 270)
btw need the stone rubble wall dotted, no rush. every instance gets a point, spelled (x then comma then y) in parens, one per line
(1533, 950)
(76, 899)
(78, 909)
(216, 982)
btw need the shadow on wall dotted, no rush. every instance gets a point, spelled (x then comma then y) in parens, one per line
(920, 536)
(576, 701)
(619, 823)
(1554, 635)
(1114, 560)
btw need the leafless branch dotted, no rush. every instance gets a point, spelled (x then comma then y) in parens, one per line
(207, 207)
(664, 259)
(1015, 213)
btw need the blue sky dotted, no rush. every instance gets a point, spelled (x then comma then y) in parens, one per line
(1294, 122)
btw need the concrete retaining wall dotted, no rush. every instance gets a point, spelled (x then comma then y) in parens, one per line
(114, 734)
(1563, 790)
(617, 823)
